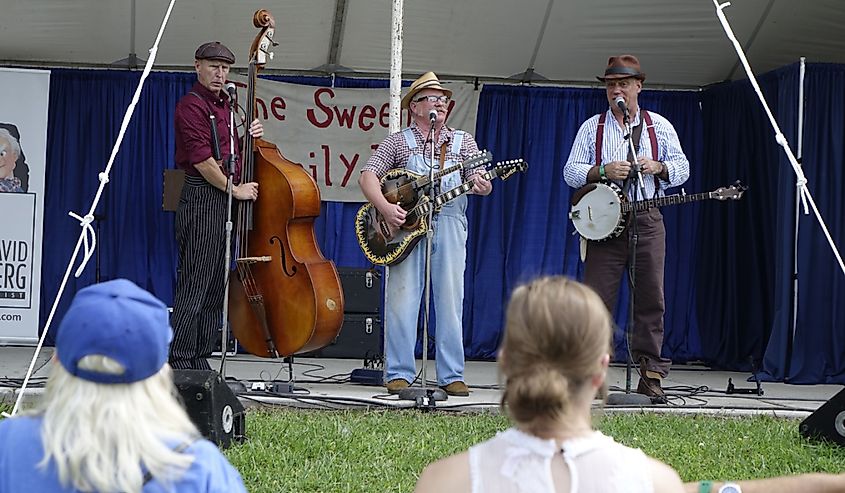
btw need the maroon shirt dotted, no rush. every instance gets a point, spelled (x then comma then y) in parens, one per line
(193, 129)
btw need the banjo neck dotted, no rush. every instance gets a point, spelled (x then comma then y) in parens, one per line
(643, 205)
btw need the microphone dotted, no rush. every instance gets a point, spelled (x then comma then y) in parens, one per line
(620, 103)
(232, 90)
(432, 115)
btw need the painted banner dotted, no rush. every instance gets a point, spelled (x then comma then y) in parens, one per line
(23, 152)
(332, 131)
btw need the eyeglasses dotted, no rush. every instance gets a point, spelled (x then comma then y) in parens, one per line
(433, 99)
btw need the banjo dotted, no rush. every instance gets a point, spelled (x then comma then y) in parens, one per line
(599, 210)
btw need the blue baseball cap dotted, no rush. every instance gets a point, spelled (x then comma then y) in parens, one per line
(119, 320)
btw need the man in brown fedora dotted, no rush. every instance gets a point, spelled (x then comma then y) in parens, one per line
(201, 215)
(427, 101)
(601, 153)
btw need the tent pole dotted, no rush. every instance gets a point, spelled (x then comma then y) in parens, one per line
(395, 115)
(799, 157)
(395, 65)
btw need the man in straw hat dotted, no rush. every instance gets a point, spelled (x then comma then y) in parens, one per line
(109, 419)
(600, 152)
(427, 101)
(202, 213)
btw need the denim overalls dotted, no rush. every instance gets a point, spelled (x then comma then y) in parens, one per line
(406, 280)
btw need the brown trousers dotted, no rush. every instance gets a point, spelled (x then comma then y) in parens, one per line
(603, 268)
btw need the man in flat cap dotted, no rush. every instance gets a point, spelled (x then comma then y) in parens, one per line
(201, 215)
(601, 153)
(109, 419)
(428, 103)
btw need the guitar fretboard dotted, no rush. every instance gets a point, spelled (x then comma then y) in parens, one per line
(642, 205)
(423, 180)
(455, 192)
(472, 162)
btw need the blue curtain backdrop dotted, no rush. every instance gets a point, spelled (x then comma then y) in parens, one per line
(522, 230)
(816, 353)
(728, 265)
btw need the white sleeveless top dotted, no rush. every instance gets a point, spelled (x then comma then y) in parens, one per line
(516, 462)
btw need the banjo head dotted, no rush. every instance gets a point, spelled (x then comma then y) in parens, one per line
(598, 213)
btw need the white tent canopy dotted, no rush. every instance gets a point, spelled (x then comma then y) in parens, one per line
(679, 42)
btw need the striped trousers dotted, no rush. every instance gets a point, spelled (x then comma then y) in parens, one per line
(198, 303)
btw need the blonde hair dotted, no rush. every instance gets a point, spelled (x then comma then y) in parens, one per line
(556, 331)
(99, 436)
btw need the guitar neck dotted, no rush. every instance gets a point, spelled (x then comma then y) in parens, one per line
(423, 180)
(454, 193)
(643, 205)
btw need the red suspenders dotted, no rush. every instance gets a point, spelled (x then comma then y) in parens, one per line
(652, 136)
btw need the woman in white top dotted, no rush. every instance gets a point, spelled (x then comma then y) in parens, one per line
(554, 362)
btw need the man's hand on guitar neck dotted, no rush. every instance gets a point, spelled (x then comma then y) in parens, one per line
(480, 186)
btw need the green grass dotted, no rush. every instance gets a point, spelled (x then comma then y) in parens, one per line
(381, 451)
(375, 451)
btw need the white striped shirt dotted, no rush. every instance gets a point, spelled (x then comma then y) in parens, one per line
(582, 157)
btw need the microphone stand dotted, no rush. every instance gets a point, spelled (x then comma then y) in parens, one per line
(423, 396)
(631, 398)
(230, 174)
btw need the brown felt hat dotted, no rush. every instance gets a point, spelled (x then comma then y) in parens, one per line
(621, 67)
(426, 81)
(215, 50)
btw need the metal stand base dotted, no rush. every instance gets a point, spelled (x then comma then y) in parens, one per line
(632, 399)
(236, 386)
(424, 397)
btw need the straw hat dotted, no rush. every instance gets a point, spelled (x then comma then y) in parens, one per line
(426, 81)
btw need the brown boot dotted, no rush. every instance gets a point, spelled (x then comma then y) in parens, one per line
(649, 384)
(457, 388)
(396, 385)
(651, 387)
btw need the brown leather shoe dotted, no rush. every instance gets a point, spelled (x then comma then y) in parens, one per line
(457, 388)
(651, 387)
(397, 384)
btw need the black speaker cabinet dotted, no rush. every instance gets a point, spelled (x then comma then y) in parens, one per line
(361, 289)
(360, 337)
(828, 421)
(212, 406)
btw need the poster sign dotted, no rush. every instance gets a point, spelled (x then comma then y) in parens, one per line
(23, 145)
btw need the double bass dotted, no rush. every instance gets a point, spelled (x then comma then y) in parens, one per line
(285, 298)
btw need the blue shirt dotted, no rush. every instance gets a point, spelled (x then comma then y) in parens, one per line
(582, 157)
(21, 451)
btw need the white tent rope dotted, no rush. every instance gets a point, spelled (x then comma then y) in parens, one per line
(801, 182)
(87, 237)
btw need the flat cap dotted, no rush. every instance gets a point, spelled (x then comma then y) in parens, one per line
(215, 50)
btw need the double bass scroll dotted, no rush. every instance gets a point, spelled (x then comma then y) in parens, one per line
(286, 297)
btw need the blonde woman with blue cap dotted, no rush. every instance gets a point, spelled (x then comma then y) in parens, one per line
(109, 420)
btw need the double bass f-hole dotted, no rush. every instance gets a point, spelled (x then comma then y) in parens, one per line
(292, 271)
